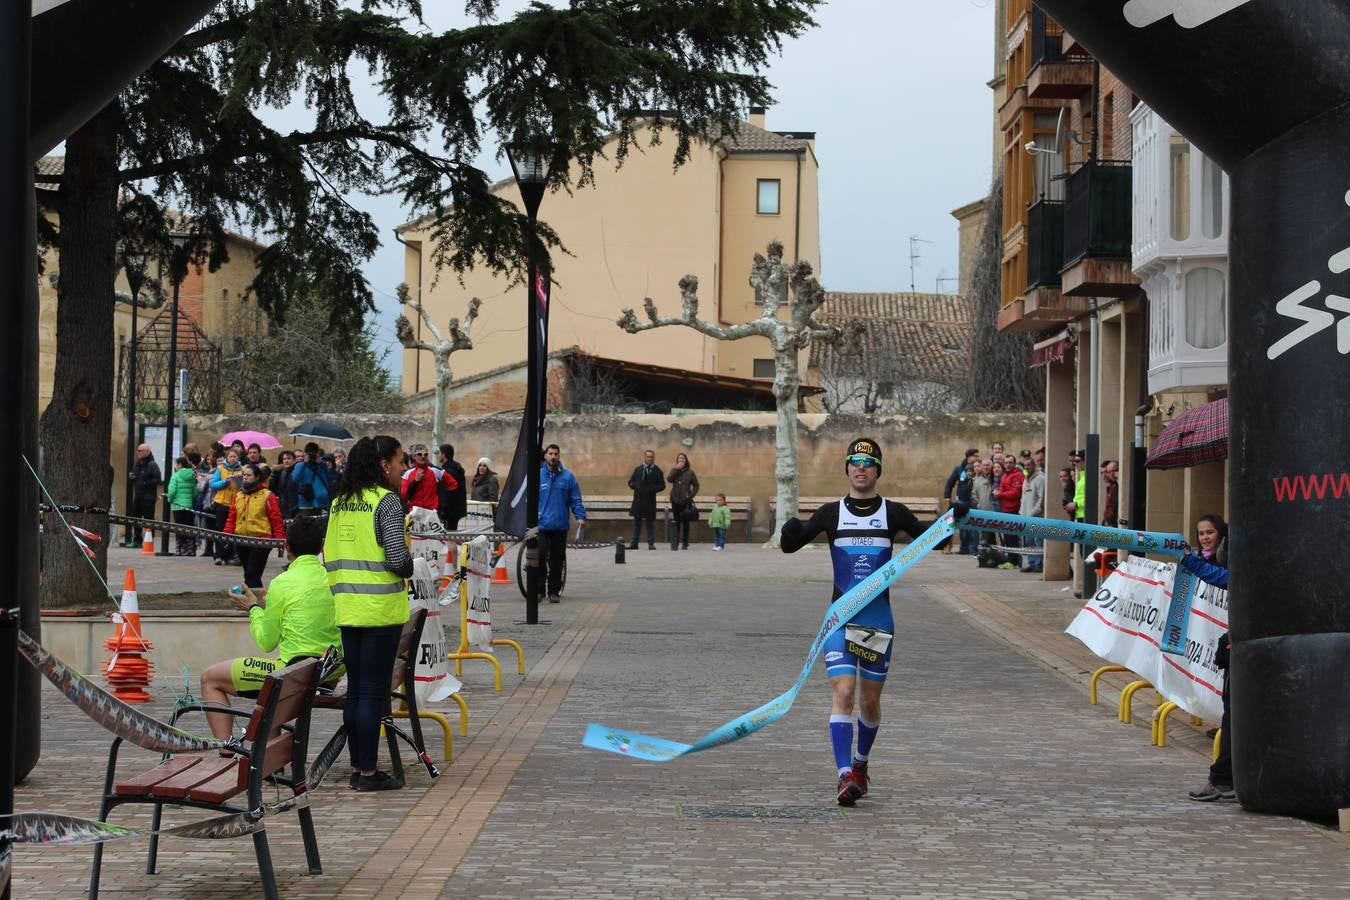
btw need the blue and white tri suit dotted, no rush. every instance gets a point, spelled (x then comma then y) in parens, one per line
(861, 533)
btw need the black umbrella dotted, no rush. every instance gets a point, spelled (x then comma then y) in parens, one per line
(325, 431)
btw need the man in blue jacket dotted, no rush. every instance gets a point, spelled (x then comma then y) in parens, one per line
(559, 493)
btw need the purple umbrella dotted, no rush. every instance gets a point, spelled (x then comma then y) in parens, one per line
(261, 438)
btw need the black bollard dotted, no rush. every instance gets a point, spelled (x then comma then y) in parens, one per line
(672, 532)
(1263, 88)
(618, 551)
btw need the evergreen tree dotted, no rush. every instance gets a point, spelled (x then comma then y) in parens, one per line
(188, 134)
(300, 365)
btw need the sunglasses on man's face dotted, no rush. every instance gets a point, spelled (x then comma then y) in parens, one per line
(420, 456)
(863, 461)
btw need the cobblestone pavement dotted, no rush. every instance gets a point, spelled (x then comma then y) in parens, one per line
(992, 775)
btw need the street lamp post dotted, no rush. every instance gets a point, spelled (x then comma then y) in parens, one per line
(530, 167)
(133, 262)
(178, 270)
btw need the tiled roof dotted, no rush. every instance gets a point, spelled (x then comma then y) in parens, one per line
(923, 307)
(929, 332)
(49, 167)
(753, 139)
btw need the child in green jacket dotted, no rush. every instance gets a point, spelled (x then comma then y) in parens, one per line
(182, 490)
(718, 520)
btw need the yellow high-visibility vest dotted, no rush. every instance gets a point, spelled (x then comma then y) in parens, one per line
(365, 593)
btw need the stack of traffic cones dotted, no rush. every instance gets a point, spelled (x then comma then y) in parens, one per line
(147, 545)
(128, 671)
(499, 575)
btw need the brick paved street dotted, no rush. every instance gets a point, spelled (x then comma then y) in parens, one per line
(992, 775)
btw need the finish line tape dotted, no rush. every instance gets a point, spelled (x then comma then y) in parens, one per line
(657, 749)
(841, 611)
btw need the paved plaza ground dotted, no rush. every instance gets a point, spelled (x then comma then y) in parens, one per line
(992, 776)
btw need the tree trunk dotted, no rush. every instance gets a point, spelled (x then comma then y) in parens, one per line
(442, 388)
(786, 380)
(76, 428)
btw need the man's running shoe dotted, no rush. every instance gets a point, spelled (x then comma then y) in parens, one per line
(849, 789)
(860, 776)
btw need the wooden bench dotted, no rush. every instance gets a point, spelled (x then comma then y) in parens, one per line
(402, 688)
(615, 507)
(277, 738)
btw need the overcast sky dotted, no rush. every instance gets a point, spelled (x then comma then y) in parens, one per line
(895, 91)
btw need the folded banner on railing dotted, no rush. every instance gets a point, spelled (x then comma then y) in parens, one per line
(52, 830)
(1125, 623)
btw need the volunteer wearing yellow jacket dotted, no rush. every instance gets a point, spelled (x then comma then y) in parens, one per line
(366, 554)
(295, 619)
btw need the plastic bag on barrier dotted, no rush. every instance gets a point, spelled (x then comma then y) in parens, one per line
(432, 550)
(480, 585)
(432, 676)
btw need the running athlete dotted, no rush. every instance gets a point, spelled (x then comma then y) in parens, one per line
(861, 528)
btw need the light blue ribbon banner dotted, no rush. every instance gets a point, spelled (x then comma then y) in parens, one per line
(1184, 586)
(840, 613)
(1074, 532)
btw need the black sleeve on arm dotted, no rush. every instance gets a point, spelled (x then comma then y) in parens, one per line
(902, 519)
(824, 520)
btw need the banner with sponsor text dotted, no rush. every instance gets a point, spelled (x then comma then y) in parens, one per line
(1124, 623)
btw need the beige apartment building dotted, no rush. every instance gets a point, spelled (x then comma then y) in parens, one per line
(635, 234)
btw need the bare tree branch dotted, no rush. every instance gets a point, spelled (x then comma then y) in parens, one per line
(441, 348)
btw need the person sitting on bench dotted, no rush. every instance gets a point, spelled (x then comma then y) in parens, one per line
(294, 617)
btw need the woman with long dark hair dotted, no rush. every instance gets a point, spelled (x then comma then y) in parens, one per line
(367, 560)
(683, 490)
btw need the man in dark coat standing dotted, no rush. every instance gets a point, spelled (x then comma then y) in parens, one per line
(454, 502)
(145, 482)
(646, 481)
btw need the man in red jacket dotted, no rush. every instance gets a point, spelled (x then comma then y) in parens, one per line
(419, 488)
(1009, 496)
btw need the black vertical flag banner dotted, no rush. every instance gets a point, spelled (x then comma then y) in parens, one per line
(1263, 87)
(510, 515)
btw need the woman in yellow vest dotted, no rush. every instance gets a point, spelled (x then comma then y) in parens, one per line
(366, 554)
(255, 512)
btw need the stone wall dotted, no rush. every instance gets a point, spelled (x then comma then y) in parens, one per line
(732, 452)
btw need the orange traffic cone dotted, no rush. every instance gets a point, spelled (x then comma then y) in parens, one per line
(128, 672)
(499, 575)
(147, 544)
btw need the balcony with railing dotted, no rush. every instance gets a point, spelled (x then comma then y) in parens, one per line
(1045, 243)
(1054, 75)
(1097, 233)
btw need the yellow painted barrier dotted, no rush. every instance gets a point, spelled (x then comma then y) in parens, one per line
(440, 720)
(464, 652)
(1160, 722)
(1214, 753)
(520, 652)
(1096, 676)
(1127, 697)
(463, 714)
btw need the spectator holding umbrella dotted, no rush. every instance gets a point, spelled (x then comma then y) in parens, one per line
(311, 483)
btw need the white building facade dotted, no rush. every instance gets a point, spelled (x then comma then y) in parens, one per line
(1180, 254)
